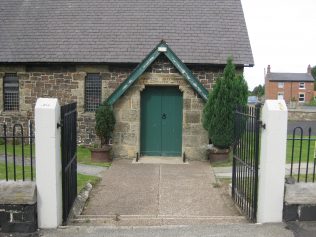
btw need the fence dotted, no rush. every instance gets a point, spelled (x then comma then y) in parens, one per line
(16, 153)
(246, 159)
(301, 150)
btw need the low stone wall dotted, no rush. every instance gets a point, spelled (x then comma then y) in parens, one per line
(18, 207)
(302, 115)
(300, 202)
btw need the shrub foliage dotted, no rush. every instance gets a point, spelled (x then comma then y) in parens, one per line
(229, 91)
(105, 122)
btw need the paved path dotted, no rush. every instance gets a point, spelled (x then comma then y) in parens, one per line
(155, 194)
(304, 124)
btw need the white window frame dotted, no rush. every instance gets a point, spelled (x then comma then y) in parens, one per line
(280, 84)
(299, 97)
(301, 85)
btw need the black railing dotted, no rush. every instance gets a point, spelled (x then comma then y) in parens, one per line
(246, 159)
(17, 151)
(69, 156)
(301, 149)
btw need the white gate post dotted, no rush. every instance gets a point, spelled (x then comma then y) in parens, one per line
(272, 162)
(48, 163)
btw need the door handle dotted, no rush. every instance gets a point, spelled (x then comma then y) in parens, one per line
(164, 116)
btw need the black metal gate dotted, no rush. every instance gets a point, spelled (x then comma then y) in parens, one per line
(69, 156)
(246, 159)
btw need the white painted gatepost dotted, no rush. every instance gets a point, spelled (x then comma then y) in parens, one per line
(48, 163)
(272, 162)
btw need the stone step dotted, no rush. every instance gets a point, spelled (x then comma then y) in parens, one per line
(150, 220)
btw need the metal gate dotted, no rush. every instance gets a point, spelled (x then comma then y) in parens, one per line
(69, 156)
(246, 159)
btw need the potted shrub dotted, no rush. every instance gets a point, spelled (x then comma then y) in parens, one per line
(105, 122)
(229, 91)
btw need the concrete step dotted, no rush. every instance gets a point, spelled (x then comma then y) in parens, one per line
(211, 230)
(150, 220)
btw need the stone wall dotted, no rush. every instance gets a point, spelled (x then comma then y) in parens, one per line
(66, 82)
(302, 115)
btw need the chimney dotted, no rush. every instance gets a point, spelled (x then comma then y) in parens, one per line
(309, 69)
(269, 69)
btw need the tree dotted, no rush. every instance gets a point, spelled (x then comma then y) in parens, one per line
(314, 75)
(229, 91)
(258, 91)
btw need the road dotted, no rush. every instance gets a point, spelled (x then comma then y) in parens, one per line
(303, 124)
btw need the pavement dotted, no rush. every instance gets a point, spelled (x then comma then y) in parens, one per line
(303, 124)
(159, 194)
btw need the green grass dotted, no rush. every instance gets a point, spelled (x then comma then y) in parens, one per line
(19, 172)
(83, 154)
(18, 150)
(82, 180)
(296, 150)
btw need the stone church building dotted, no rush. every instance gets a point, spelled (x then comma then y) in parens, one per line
(154, 61)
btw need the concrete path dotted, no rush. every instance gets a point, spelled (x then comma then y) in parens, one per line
(223, 230)
(159, 194)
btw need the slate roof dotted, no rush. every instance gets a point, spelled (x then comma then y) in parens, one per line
(198, 31)
(298, 77)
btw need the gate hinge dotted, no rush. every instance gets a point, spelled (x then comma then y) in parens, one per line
(262, 125)
(59, 125)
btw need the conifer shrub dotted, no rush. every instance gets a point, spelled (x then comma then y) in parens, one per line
(229, 91)
(105, 122)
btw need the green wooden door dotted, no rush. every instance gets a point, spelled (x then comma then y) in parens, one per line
(161, 121)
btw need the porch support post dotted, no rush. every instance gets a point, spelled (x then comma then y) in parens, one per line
(272, 162)
(48, 163)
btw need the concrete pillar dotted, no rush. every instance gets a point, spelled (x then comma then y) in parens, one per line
(48, 163)
(272, 162)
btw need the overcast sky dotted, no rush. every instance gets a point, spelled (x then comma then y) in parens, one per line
(282, 33)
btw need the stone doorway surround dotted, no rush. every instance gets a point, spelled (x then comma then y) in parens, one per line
(126, 138)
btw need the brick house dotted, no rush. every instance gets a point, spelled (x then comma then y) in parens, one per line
(91, 51)
(289, 86)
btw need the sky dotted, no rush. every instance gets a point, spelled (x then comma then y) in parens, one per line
(282, 34)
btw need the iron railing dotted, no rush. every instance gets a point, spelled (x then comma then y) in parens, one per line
(302, 151)
(246, 159)
(17, 151)
(69, 156)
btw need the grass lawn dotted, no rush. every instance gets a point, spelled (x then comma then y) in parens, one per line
(83, 154)
(296, 150)
(81, 179)
(19, 172)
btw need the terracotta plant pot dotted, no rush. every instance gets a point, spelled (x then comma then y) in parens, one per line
(101, 154)
(216, 154)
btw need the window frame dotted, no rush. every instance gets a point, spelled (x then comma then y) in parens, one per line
(279, 85)
(11, 86)
(301, 83)
(299, 97)
(92, 92)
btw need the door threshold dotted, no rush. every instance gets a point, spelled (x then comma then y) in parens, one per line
(170, 160)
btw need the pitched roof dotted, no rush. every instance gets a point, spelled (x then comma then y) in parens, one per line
(161, 48)
(199, 31)
(303, 77)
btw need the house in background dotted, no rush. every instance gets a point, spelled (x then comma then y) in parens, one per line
(289, 86)
(91, 51)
